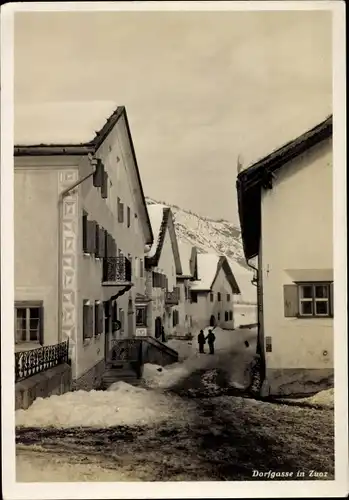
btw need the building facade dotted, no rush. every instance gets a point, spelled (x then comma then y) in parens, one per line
(81, 230)
(212, 294)
(163, 265)
(294, 244)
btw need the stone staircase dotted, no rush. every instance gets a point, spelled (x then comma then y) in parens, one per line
(117, 371)
(128, 356)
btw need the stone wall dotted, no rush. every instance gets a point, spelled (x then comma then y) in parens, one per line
(91, 379)
(57, 380)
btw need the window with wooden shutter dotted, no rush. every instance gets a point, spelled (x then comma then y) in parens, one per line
(88, 311)
(98, 174)
(226, 316)
(219, 296)
(104, 187)
(291, 309)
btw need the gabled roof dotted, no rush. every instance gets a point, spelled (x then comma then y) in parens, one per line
(209, 266)
(70, 136)
(162, 220)
(250, 182)
(187, 255)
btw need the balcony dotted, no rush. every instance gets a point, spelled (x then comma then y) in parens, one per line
(172, 298)
(116, 271)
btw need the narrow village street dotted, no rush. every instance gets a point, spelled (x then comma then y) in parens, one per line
(190, 421)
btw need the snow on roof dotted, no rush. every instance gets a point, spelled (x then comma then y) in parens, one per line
(74, 122)
(156, 213)
(185, 255)
(207, 268)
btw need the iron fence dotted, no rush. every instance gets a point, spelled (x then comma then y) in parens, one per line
(116, 269)
(28, 363)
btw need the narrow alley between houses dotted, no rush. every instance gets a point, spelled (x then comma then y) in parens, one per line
(192, 420)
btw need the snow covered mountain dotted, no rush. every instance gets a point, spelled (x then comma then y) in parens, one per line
(214, 236)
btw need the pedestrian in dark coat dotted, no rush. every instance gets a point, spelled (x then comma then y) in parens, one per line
(210, 340)
(201, 341)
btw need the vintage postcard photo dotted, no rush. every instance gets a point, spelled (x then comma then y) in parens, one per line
(173, 250)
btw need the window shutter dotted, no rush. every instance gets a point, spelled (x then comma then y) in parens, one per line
(291, 309)
(331, 300)
(99, 318)
(104, 187)
(101, 242)
(98, 174)
(97, 241)
(128, 216)
(84, 233)
(113, 247)
(41, 325)
(93, 236)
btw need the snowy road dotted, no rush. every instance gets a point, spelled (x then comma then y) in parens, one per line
(166, 435)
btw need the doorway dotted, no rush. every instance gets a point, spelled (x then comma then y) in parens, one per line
(212, 320)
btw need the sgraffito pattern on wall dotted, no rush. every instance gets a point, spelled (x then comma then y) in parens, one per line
(69, 265)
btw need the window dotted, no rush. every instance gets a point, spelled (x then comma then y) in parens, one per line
(219, 316)
(226, 316)
(230, 315)
(141, 268)
(88, 317)
(211, 297)
(194, 297)
(308, 300)
(29, 322)
(128, 216)
(314, 299)
(228, 297)
(219, 296)
(141, 316)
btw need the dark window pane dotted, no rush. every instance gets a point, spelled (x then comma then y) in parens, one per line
(321, 307)
(306, 307)
(307, 292)
(21, 324)
(321, 291)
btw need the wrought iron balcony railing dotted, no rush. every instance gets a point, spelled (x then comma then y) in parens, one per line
(116, 270)
(172, 298)
(28, 363)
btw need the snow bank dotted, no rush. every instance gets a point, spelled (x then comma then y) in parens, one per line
(322, 398)
(122, 404)
(156, 214)
(207, 267)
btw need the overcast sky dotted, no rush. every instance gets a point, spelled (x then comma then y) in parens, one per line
(200, 88)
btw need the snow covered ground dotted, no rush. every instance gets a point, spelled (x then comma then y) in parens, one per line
(124, 404)
(245, 314)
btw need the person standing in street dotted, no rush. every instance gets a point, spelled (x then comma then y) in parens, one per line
(210, 340)
(201, 341)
